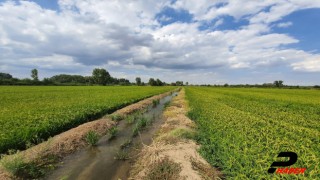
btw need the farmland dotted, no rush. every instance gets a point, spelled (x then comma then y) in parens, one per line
(243, 130)
(30, 114)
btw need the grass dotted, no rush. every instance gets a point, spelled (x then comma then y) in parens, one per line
(173, 136)
(16, 165)
(130, 119)
(30, 113)
(140, 124)
(205, 170)
(126, 144)
(164, 169)
(116, 117)
(135, 130)
(166, 104)
(184, 133)
(113, 131)
(155, 102)
(122, 155)
(92, 138)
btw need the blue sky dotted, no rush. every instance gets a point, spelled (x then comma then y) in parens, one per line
(212, 42)
(305, 27)
(47, 4)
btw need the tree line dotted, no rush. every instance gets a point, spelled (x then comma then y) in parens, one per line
(99, 76)
(275, 84)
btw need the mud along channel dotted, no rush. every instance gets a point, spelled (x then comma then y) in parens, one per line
(109, 159)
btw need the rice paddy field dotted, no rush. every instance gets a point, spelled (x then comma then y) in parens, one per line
(29, 115)
(242, 130)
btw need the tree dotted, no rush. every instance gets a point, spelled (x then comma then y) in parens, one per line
(278, 83)
(101, 76)
(138, 81)
(34, 74)
(5, 76)
(123, 81)
(7, 79)
(152, 82)
(159, 82)
(179, 83)
(71, 79)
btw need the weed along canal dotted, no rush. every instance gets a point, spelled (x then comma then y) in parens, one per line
(111, 157)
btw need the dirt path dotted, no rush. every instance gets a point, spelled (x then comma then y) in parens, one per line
(45, 155)
(173, 154)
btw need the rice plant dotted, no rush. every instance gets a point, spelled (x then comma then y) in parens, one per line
(243, 130)
(33, 114)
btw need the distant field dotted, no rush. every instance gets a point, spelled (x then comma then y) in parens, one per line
(243, 130)
(28, 114)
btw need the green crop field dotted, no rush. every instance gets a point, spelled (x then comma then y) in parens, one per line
(243, 130)
(28, 114)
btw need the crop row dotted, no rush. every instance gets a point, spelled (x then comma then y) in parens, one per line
(29, 115)
(243, 130)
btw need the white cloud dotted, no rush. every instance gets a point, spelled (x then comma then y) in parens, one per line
(126, 35)
(218, 23)
(284, 25)
(309, 65)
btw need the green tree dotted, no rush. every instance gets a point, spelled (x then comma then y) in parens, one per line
(152, 82)
(179, 83)
(65, 78)
(159, 82)
(138, 81)
(278, 83)
(5, 76)
(34, 74)
(101, 76)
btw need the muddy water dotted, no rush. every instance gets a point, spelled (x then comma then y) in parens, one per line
(99, 162)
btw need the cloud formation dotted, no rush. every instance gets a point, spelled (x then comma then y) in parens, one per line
(130, 36)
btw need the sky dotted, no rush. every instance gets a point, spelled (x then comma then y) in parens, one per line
(200, 42)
